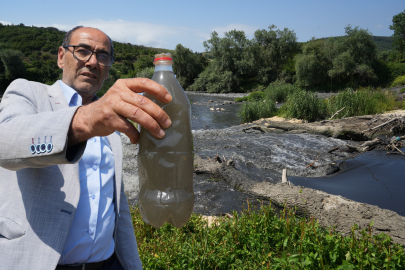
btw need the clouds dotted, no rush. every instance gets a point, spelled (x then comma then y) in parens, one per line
(248, 29)
(157, 35)
(142, 33)
(5, 23)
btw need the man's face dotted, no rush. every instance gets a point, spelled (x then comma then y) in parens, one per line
(86, 77)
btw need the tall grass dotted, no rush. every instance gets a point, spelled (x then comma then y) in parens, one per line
(304, 105)
(361, 102)
(279, 92)
(252, 111)
(262, 240)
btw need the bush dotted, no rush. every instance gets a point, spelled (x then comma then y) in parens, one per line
(279, 91)
(361, 102)
(399, 81)
(258, 109)
(260, 239)
(254, 96)
(304, 105)
(402, 90)
(146, 73)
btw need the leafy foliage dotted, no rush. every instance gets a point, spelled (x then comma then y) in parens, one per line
(398, 25)
(237, 59)
(399, 81)
(31, 53)
(345, 60)
(304, 105)
(280, 91)
(146, 73)
(259, 239)
(187, 65)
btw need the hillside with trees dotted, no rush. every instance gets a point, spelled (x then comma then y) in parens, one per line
(232, 63)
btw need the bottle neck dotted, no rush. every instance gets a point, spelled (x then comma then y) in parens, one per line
(160, 67)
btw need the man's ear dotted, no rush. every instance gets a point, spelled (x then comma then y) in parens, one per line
(61, 55)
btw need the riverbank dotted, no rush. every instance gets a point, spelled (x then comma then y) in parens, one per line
(329, 210)
(275, 144)
(257, 153)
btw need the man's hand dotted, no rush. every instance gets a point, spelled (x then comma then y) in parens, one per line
(122, 102)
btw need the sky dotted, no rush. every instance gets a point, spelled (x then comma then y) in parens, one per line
(164, 24)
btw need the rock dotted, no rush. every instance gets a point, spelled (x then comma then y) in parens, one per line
(130, 168)
(230, 163)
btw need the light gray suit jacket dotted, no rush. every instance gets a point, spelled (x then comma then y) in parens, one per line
(39, 193)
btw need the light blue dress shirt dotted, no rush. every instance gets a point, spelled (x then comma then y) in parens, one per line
(90, 238)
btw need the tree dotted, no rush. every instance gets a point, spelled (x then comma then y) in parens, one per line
(273, 49)
(398, 25)
(346, 60)
(186, 65)
(311, 66)
(11, 67)
(239, 63)
(143, 62)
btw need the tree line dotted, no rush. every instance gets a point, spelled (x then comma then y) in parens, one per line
(232, 63)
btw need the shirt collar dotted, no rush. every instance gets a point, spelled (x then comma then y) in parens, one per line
(72, 97)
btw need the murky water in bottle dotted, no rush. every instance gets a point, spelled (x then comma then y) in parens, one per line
(166, 165)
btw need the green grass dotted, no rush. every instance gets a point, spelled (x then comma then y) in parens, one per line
(279, 92)
(252, 111)
(362, 102)
(254, 96)
(402, 90)
(399, 81)
(304, 105)
(263, 240)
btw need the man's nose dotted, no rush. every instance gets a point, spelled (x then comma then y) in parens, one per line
(93, 60)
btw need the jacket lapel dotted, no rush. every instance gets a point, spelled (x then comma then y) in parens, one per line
(56, 96)
(116, 147)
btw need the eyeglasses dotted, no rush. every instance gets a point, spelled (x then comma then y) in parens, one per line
(84, 54)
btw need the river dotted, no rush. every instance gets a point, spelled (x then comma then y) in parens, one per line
(373, 177)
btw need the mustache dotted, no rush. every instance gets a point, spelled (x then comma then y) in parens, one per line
(94, 72)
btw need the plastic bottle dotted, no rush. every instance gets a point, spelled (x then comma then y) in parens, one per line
(166, 165)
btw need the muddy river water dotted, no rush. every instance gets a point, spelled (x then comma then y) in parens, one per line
(373, 177)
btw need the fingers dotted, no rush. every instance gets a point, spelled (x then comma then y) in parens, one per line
(140, 85)
(126, 127)
(143, 118)
(147, 106)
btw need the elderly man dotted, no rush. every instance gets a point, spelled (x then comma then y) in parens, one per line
(62, 201)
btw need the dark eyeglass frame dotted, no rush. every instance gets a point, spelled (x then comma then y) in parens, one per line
(92, 52)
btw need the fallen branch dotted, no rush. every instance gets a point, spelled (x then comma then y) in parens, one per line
(371, 143)
(357, 148)
(333, 149)
(398, 149)
(313, 162)
(384, 124)
(337, 113)
(373, 120)
(393, 153)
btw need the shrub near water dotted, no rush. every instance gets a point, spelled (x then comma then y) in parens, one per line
(361, 102)
(262, 240)
(279, 92)
(304, 105)
(399, 81)
(252, 111)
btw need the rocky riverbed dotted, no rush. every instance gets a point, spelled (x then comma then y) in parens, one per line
(243, 162)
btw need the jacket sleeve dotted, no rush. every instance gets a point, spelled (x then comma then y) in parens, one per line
(26, 117)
